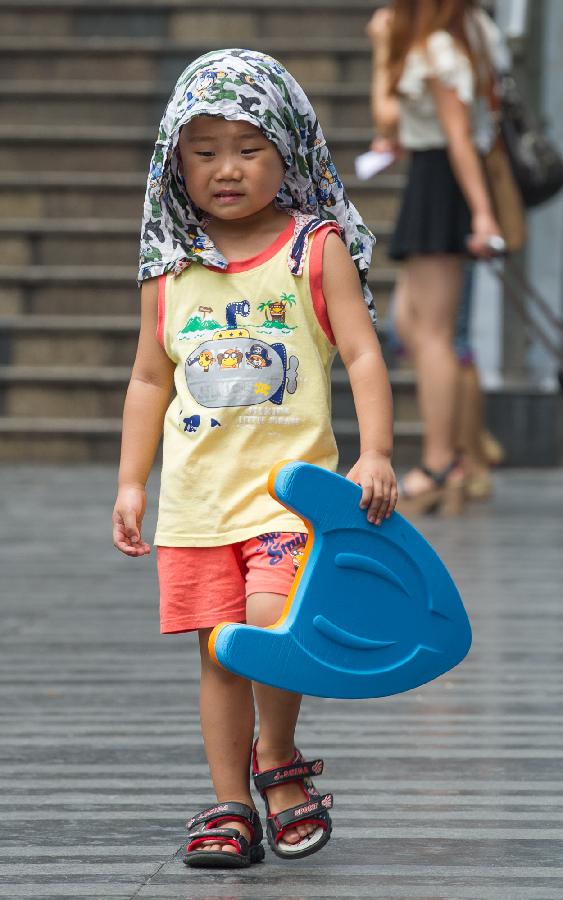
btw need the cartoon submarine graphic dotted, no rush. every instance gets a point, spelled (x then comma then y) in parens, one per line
(233, 369)
(373, 610)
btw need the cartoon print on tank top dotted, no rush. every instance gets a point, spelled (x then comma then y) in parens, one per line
(192, 423)
(231, 368)
(275, 311)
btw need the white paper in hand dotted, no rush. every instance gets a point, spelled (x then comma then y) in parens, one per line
(369, 164)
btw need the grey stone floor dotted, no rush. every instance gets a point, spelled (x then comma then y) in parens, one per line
(452, 791)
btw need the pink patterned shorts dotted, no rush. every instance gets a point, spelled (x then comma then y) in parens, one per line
(202, 586)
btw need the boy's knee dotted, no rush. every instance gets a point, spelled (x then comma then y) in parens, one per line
(264, 609)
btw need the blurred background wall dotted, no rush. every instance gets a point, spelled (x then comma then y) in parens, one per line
(82, 87)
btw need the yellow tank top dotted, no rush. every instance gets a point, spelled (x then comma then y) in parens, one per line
(253, 351)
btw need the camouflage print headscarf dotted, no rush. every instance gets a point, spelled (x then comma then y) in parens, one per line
(250, 86)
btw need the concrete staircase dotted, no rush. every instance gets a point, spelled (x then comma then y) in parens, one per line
(82, 87)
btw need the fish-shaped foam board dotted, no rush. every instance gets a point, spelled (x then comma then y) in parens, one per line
(373, 610)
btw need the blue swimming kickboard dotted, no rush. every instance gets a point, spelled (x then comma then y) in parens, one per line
(372, 612)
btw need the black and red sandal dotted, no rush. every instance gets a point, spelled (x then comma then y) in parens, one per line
(202, 829)
(314, 809)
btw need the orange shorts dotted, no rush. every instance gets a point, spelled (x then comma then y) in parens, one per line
(202, 586)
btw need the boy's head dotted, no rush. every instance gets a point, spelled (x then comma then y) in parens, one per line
(230, 168)
(220, 101)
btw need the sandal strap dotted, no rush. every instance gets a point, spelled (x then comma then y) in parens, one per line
(223, 834)
(439, 476)
(294, 771)
(225, 811)
(314, 809)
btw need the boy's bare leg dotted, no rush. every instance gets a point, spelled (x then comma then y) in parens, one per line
(227, 724)
(278, 717)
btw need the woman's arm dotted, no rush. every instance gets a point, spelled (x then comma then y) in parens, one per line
(455, 120)
(384, 104)
(148, 396)
(361, 354)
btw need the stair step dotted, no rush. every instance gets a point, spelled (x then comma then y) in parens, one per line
(119, 149)
(33, 275)
(57, 45)
(65, 439)
(88, 374)
(258, 20)
(120, 195)
(88, 390)
(67, 375)
(105, 426)
(69, 324)
(136, 104)
(96, 180)
(162, 59)
(95, 340)
(93, 241)
(147, 6)
(69, 339)
(149, 90)
(83, 290)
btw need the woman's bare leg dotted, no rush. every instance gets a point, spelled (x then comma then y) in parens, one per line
(279, 711)
(227, 724)
(470, 424)
(470, 435)
(433, 287)
(403, 318)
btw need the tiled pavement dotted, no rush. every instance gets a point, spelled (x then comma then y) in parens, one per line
(452, 791)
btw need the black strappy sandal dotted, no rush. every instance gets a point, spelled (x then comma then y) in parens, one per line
(202, 829)
(313, 810)
(445, 496)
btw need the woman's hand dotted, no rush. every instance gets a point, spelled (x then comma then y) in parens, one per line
(378, 28)
(127, 518)
(374, 474)
(382, 144)
(484, 226)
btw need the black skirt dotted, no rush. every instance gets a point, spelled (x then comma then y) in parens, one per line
(434, 217)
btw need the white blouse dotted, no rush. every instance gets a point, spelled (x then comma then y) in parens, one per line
(419, 125)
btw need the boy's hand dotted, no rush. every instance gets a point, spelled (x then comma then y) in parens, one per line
(127, 517)
(374, 474)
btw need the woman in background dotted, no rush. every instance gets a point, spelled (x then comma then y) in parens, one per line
(432, 64)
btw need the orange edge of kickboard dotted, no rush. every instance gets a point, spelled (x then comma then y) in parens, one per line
(306, 553)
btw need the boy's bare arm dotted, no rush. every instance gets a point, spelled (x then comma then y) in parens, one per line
(147, 399)
(148, 395)
(361, 354)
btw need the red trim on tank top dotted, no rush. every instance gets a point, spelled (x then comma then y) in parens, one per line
(161, 309)
(316, 278)
(243, 265)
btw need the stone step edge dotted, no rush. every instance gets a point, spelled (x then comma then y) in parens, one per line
(57, 181)
(127, 134)
(68, 323)
(112, 427)
(35, 275)
(400, 378)
(49, 45)
(118, 375)
(79, 6)
(99, 228)
(118, 90)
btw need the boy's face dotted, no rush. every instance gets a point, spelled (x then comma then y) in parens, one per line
(231, 170)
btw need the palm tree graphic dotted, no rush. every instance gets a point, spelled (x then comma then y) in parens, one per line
(275, 309)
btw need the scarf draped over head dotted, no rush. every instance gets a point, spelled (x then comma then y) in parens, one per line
(249, 86)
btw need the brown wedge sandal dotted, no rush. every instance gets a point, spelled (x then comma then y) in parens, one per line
(445, 496)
